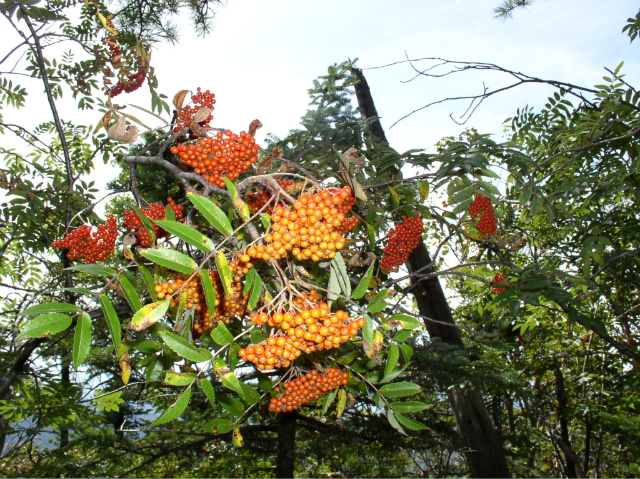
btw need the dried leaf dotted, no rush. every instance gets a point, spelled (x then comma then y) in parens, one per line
(296, 187)
(125, 367)
(352, 400)
(106, 119)
(178, 99)
(254, 126)
(300, 269)
(284, 168)
(358, 260)
(197, 129)
(121, 132)
(352, 155)
(202, 114)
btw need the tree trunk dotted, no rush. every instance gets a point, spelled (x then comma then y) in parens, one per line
(65, 379)
(484, 452)
(285, 459)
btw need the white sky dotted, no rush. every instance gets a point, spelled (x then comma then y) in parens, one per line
(262, 56)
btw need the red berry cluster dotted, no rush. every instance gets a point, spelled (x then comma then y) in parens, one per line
(304, 331)
(499, 278)
(186, 115)
(130, 84)
(487, 223)
(88, 244)
(308, 388)
(217, 158)
(256, 201)
(401, 241)
(310, 229)
(155, 211)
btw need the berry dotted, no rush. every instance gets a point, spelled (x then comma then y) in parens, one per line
(487, 224)
(88, 244)
(401, 241)
(257, 201)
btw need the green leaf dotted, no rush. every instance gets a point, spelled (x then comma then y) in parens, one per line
(171, 259)
(328, 399)
(206, 386)
(212, 213)
(406, 321)
(81, 340)
(209, 291)
(45, 324)
(179, 379)
(341, 272)
(151, 284)
(333, 287)
(51, 308)
(342, 402)
(250, 394)
(225, 273)
(146, 222)
(392, 359)
(378, 303)
(232, 405)
(248, 281)
(182, 347)
(94, 269)
(400, 389)
(391, 416)
(239, 203)
(149, 314)
(408, 406)
(367, 330)
(219, 426)
(188, 234)
(410, 423)
(256, 292)
(363, 285)
(227, 376)
(221, 335)
(130, 293)
(175, 410)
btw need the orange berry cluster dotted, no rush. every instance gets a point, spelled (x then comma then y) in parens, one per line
(487, 223)
(217, 158)
(199, 99)
(499, 278)
(88, 244)
(155, 211)
(308, 388)
(256, 201)
(401, 241)
(308, 331)
(310, 229)
(225, 308)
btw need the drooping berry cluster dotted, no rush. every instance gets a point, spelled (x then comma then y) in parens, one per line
(487, 223)
(219, 157)
(127, 81)
(310, 230)
(186, 114)
(499, 278)
(308, 388)
(256, 201)
(401, 241)
(304, 331)
(89, 244)
(155, 211)
(130, 83)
